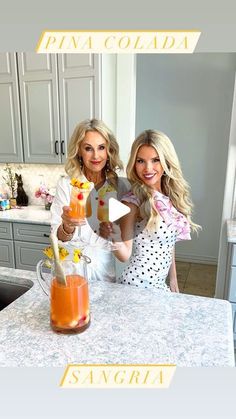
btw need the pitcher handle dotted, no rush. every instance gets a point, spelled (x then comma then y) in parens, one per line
(40, 277)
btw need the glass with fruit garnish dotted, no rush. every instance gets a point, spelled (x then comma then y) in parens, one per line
(103, 217)
(80, 202)
(102, 210)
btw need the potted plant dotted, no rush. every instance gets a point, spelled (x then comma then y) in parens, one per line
(10, 180)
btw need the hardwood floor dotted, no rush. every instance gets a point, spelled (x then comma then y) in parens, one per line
(196, 279)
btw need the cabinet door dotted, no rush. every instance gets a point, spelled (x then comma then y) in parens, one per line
(7, 254)
(5, 230)
(36, 233)
(232, 286)
(234, 321)
(79, 92)
(10, 123)
(27, 255)
(39, 106)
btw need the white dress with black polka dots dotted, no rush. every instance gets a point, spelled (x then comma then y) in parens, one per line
(152, 251)
(152, 256)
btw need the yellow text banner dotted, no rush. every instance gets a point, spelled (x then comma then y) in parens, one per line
(118, 376)
(118, 42)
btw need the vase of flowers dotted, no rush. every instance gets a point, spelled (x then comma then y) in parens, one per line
(10, 180)
(47, 194)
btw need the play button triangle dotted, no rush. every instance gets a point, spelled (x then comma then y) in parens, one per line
(116, 209)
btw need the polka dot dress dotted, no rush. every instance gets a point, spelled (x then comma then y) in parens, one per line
(152, 256)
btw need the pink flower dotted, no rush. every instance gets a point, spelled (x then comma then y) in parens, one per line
(173, 218)
(37, 194)
(45, 193)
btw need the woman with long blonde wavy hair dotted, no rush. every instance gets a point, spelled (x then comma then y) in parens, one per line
(93, 159)
(160, 213)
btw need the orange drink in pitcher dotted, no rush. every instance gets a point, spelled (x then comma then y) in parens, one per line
(70, 305)
(69, 299)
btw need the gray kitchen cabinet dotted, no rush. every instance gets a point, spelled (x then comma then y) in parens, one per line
(6, 245)
(6, 230)
(234, 319)
(56, 92)
(29, 242)
(79, 92)
(7, 254)
(22, 245)
(232, 286)
(10, 120)
(28, 254)
(39, 107)
(36, 233)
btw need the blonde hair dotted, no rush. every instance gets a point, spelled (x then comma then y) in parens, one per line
(73, 166)
(173, 183)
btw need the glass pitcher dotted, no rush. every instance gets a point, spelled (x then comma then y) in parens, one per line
(69, 302)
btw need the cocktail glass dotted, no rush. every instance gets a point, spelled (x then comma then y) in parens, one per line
(103, 216)
(80, 203)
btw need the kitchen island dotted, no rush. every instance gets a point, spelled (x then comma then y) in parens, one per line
(128, 325)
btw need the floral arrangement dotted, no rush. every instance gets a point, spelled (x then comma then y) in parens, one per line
(10, 180)
(45, 193)
(81, 185)
(63, 253)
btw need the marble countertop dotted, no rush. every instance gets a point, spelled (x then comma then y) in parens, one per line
(231, 231)
(32, 214)
(128, 325)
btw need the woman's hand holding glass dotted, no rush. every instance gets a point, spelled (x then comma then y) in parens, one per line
(110, 231)
(69, 222)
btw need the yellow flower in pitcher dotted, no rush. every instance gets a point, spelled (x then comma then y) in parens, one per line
(47, 264)
(77, 255)
(63, 253)
(48, 252)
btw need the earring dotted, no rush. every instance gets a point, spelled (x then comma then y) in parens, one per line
(107, 167)
(81, 162)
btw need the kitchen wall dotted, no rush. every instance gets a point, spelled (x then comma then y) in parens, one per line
(190, 99)
(32, 175)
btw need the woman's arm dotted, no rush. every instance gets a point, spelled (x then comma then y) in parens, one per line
(173, 275)
(121, 234)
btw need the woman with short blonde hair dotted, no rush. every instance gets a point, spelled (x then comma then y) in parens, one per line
(93, 156)
(74, 166)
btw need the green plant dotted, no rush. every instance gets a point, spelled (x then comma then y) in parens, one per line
(10, 180)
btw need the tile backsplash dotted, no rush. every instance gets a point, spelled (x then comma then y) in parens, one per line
(32, 175)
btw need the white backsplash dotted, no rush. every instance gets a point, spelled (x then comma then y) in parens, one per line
(32, 175)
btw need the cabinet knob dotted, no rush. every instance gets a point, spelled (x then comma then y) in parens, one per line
(63, 147)
(56, 148)
(46, 235)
